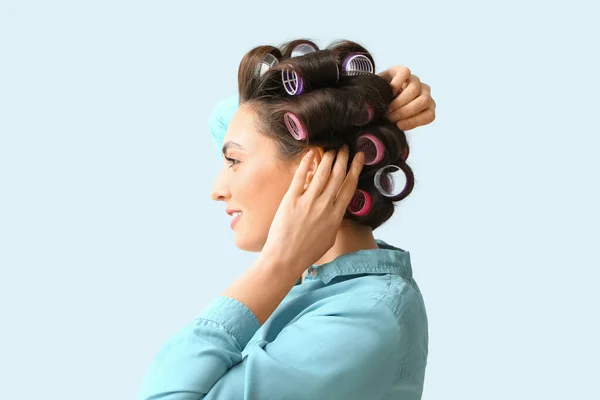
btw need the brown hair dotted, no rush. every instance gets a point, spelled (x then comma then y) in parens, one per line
(328, 108)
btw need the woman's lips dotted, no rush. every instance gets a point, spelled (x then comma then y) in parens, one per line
(235, 219)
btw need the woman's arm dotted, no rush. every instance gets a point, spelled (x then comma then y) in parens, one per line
(194, 359)
(351, 348)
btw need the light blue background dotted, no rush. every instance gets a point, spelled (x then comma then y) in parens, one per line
(109, 241)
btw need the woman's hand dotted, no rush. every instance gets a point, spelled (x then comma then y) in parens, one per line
(413, 105)
(307, 222)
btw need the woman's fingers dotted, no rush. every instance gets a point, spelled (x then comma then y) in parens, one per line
(397, 77)
(415, 107)
(322, 175)
(424, 118)
(411, 92)
(350, 184)
(299, 178)
(338, 174)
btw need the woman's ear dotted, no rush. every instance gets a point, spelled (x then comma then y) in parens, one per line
(319, 152)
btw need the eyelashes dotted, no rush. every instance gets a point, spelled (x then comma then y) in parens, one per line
(232, 161)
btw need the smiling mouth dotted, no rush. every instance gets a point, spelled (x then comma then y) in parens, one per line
(236, 217)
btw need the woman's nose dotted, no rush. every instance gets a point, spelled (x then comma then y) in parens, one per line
(220, 191)
(219, 195)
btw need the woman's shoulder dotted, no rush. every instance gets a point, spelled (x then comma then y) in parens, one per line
(381, 278)
(391, 303)
(398, 301)
(400, 294)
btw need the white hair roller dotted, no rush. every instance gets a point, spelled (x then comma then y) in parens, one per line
(390, 181)
(303, 49)
(266, 64)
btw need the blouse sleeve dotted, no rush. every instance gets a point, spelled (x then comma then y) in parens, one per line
(355, 352)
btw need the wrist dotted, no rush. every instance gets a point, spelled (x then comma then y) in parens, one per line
(264, 285)
(280, 263)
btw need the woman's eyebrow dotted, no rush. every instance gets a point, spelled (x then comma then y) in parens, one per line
(231, 144)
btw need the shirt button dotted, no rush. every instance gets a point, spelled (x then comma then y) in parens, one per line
(312, 272)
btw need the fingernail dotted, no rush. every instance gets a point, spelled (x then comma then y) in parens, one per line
(345, 147)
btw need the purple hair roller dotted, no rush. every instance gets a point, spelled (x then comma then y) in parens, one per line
(357, 64)
(295, 127)
(360, 203)
(372, 147)
(366, 115)
(292, 82)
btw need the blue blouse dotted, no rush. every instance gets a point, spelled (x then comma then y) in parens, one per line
(355, 329)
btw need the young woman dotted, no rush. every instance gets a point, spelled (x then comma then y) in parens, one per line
(312, 166)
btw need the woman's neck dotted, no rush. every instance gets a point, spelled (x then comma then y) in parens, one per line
(351, 237)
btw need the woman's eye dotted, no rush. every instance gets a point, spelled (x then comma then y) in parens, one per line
(233, 161)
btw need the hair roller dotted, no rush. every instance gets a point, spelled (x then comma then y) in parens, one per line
(253, 66)
(394, 181)
(360, 203)
(266, 64)
(372, 147)
(298, 48)
(303, 49)
(366, 115)
(357, 64)
(292, 81)
(295, 126)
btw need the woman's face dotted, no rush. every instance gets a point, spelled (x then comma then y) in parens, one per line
(252, 181)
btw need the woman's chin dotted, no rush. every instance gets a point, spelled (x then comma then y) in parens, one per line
(243, 244)
(246, 243)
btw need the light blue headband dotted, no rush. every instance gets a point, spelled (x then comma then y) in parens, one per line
(220, 118)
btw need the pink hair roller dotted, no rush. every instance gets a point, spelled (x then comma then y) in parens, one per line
(372, 147)
(360, 203)
(295, 127)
